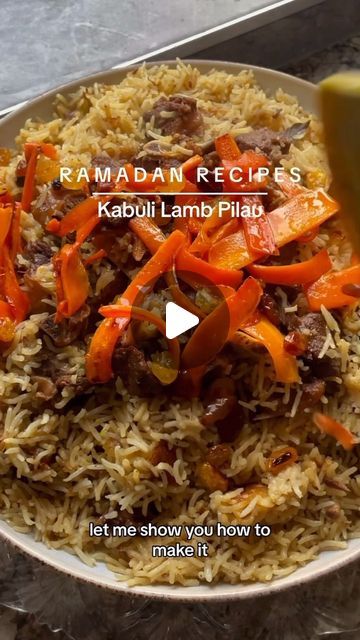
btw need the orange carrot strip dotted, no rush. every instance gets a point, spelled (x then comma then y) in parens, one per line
(29, 184)
(13, 294)
(16, 232)
(148, 232)
(95, 256)
(292, 274)
(78, 216)
(74, 282)
(328, 291)
(221, 324)
(300, 214)
(6, 214)
(335, 429)
(185, 261)
(191, 163)
(98, 358)
(267, 334)
(157, 265)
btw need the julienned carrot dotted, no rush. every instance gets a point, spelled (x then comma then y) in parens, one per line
(72, 281)
(297, 216)
(227, 148)
(187, 262)
(10, 289)
(292, 274)
(266, 333)
(152, 237)
(29, 184)
(46, 148)
(258, 231)
(335, 429)
(154, 268)
(6, 215)
(32, 151)
(191, 163)
(220, 325)
(98, 359)
(328, 290)
(209, 228)
(234, 160)
(148, 232)
(95, 256)
(179, 296)
(16, 232)
(78, 216)
(102, 345)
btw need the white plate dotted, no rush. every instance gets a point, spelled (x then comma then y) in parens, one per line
(100, 575)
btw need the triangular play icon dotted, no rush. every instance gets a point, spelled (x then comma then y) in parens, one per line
(178, 320)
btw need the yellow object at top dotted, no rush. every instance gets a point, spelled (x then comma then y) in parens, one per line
(340, 107)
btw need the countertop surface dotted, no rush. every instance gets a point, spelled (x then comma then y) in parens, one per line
(59, 41)
(21, 626)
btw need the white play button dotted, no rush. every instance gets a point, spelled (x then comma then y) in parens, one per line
(178, 320)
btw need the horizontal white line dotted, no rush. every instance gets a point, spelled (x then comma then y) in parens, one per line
(181, 193)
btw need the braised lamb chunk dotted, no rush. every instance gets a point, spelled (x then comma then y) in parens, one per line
(55, 377)
(69, 329)
(56, 202)
(39, 253)
(211, 160)
(130, 364)
(151, 162)
(20, 172)
(270, 308)
(63, 379)
(175, 115)
(154, 155)
(104, 161)
(273, 144)
(36, 254)
(326, 369)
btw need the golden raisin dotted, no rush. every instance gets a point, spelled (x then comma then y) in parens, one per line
(210, 478)
(5, 156)
(47, 170)
(72, 182)
(162, 453)
(7, 329)
(282, 458)
(218, 455)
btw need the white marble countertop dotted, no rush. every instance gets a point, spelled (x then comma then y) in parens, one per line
(21, 626)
